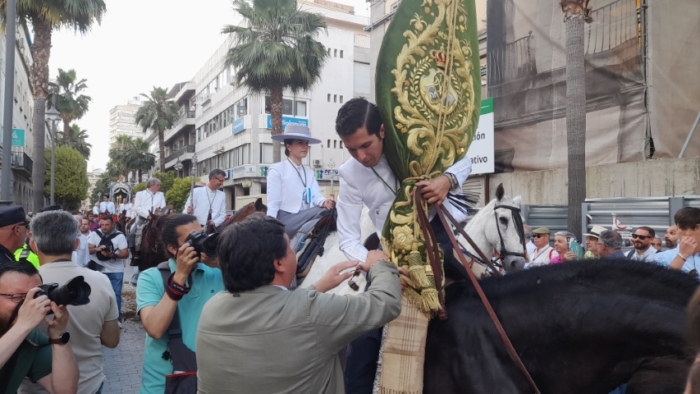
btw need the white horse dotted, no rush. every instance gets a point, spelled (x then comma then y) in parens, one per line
(481, 228)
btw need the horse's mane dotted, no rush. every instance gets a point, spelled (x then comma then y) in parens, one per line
(647, 280)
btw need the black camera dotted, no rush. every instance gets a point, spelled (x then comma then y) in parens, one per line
(202, 242)
(75, 292)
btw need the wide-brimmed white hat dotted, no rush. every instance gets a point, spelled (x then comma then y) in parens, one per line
(595, 231)
(296, 132)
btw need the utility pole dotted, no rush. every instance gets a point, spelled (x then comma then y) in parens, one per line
(6, 174)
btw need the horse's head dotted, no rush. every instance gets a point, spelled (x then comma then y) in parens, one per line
(503, 228)
(260, 206)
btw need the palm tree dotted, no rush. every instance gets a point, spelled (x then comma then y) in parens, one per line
(276, 49)
(576, 12)
(70, 103)
(76, 138)
(131, 155)
(159, 114)
(45, 16)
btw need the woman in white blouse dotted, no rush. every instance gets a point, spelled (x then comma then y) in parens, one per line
(293, 194)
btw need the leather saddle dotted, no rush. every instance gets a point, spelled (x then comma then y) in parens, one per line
(309, 240)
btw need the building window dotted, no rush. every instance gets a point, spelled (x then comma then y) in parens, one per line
(335, 53)
(242, 108)
(335, 144)
(335, 98)
(341, 53)
(341, 98)
(341, 144)
(329, 97)
(289, 107)
(301, 108)
(329, 51)
(328, 144)
(266, 153)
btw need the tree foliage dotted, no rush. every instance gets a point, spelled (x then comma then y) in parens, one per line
(178, 193)
(274, 49)
(167, 179)
(129, 154)
(69, 100)
(76, 139)
(138, 187)
(157, 113)
(71, 170)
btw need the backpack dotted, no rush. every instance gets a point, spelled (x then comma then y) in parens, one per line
(183, 380)
(105, 240)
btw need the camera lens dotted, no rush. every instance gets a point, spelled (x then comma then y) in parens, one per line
(75, 292)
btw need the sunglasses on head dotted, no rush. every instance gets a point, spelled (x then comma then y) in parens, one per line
(642, 237)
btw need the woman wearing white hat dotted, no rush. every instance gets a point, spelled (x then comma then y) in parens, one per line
(293, 195)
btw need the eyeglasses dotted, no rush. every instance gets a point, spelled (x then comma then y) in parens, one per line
(642, 237)
(539, 235)
(16, 298)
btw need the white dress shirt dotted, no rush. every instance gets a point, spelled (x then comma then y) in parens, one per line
(81, 256)
(286, 189)
(96, 210)
(124, 207)
(360, 186)
(107, 206)
(542, 257)
(147, 202)
(204, 199)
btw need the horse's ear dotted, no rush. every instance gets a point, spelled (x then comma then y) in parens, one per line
(259, 204)
(518, 201)
(500, 192)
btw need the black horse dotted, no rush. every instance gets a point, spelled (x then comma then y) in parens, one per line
(579, 327)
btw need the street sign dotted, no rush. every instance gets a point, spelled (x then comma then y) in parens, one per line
(481, 151)
(18, 137)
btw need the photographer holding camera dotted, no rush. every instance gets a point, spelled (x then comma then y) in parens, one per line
(91, 325)
(24, 350)
(108, 254)
(191, 279)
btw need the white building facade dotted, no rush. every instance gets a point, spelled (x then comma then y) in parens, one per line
(230, 127)
(122, 121)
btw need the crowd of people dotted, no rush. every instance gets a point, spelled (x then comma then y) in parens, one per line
(234, 321)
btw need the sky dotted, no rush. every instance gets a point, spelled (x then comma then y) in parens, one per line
(141, 44)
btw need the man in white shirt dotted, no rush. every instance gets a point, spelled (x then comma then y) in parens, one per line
(544, 252)
(146, 202)
(90, 326)
(367, 180)
(107, 206)
(124, 206)
(208, 203)
(110, 258)
(81, 255)
(642, 245)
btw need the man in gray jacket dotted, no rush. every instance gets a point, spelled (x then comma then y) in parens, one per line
(258, 337)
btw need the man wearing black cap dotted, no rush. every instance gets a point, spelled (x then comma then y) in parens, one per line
(13, 231)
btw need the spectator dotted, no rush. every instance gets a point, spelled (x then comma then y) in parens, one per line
(108, 253)
(592, 242)
(94, 225)
(687, 253)
(609, 245)
(24, 350)
(642, 245)
(13, 231)
(107, 206)
(91, 325)
(544, 252)
(156, 307)
(657, 244)
(81, 255)
(528, 237)
(561, 245)
(671, 237)
(243, 331)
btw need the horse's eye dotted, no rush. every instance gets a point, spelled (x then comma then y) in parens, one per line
(503, 220)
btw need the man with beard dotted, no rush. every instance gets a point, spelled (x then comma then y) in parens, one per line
(24, 350)
(671, 237)
(642, 245)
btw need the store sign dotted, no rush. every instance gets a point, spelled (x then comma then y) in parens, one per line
(238, 125)
(288, 120)
(481, 150)
(18, 137)
(326, 175)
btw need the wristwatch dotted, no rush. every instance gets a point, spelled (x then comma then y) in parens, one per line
(61, 340)
(454, 183)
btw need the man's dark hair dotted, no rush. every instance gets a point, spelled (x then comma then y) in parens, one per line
(611, 239)
(648, 229)
(358, 113)
(247, 251)
(22, 268)
(216, 172)
(168, 229)
(687, 218)
(107, 216)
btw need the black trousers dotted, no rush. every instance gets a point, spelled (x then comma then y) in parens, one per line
(363, 352)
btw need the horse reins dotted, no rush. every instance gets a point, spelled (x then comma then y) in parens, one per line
(518, 223)
(442, 213)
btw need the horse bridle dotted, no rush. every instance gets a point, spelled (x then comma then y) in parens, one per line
(518, 223)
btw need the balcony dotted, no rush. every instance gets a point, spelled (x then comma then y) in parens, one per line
(22, 163)
(185, 153)
(185, 120)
